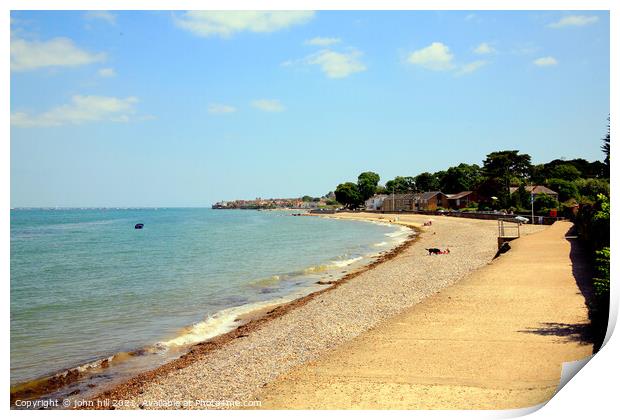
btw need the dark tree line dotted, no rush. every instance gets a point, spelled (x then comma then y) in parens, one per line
(575, 181)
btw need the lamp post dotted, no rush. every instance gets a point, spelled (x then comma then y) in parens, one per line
(532, 204)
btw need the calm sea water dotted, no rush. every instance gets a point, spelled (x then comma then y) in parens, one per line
(86, 285)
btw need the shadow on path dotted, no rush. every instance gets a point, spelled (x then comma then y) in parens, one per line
(585, 333)
(583, 272)
(581, 333)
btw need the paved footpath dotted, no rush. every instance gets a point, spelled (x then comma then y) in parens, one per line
(495, 340)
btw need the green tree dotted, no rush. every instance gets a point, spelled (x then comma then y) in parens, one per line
(367, 184)
(565, 189)
(459, 178)
(426, 181)
(566, 172)
(306, 198)
(491, 187)
(538, 174)
(521, 198)
(400, 185)
(508, 162)
(348, 195)
(587, 169)
(505, 164)
(381, 190)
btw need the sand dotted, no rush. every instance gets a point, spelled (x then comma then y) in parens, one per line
(237, 367)
(495, 340)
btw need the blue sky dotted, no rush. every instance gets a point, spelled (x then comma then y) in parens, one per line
(185, 109)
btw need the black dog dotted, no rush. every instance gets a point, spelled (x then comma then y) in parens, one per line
(435, 251)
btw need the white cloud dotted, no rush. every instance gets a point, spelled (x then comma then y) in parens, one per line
(337, 65)
(436, 57)
(573, 20)
(546, 61)
(268, 105)
(221, 109)
(107, 72)
(81, 109)
(322, 42)
(101, 15)
(484, 48)
(471, 67)
(57, 52)
(227, 23)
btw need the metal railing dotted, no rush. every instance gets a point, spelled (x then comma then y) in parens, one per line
(508, 228)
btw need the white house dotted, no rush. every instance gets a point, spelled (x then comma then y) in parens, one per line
(375, 202)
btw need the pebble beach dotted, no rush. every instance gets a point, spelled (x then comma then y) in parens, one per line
(238, 366)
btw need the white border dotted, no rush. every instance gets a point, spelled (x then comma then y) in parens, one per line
(591, 394)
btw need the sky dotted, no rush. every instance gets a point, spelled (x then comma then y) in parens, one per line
(160, 108)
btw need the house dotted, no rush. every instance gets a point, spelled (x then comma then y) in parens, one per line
(430, 200)
(536, 190)
(398, 202)
(462, 199)
(375, 202)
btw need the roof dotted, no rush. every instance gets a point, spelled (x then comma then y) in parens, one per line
(414, 196)
(408, 196)
(535, 189)
(429, 194)
(458, 195)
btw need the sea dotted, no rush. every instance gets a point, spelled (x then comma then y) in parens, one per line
(96, 299)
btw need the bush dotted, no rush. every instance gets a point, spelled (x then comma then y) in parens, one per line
(599, 305)
(471, 206)
(591, 188)
(601, 281)
(593, 223)
(543, 203)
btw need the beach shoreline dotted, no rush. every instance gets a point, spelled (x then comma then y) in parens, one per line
(385, 287)
(246, 322)
(236, 366)
(251, 321)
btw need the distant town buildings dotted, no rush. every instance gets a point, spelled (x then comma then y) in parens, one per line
(270, 203)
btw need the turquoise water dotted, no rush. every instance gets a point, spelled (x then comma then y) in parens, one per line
(86, 285)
